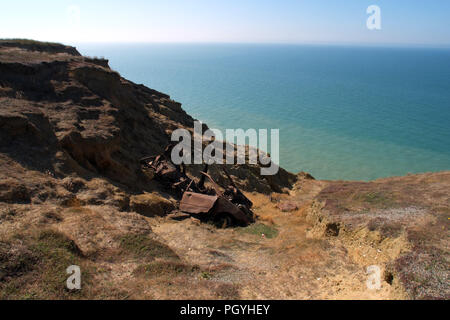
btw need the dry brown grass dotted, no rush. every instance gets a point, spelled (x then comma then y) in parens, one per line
(35, 266)
(401, 222)
(265, 206)
(126, 256)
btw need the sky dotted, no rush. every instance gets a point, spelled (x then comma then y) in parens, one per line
(403, 22)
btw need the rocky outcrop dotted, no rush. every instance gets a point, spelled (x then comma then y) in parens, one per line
(62, 114)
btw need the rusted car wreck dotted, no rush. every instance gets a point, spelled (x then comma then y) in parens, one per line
(228, 208)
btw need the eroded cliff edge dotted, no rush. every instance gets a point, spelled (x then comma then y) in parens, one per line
(64, 115)
(72, 191)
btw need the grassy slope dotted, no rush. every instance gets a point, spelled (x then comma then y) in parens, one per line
(320, 250)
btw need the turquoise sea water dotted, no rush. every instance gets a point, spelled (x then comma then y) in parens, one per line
(343, 112)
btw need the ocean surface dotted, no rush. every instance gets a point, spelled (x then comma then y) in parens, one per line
(355, 113)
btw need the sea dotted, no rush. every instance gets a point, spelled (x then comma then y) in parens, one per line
(343, 112)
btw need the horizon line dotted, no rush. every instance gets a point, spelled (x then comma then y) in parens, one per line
(318, 43)
(324, 43)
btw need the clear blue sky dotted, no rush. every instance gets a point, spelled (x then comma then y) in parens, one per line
(424, 22)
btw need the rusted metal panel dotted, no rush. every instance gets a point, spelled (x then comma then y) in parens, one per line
(225, 206)
(197, 203)
(214, 184)
(196, 198)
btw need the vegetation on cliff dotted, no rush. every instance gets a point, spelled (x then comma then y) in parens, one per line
(72, 192)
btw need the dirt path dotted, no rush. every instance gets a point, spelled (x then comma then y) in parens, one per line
(290, 265)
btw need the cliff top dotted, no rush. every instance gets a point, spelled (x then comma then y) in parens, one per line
(72, 191)
(32, 45)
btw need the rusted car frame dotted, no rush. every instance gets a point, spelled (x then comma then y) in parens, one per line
(217, 208)
(227, 208)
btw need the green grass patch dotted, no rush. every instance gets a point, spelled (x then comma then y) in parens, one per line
(259, 228)
(50, 241)
(141, 246)
(205, 275)
(35, 268)
(165, 268)
(375, 199)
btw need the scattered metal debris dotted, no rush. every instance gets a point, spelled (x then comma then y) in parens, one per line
(165, 171)
(224, 209)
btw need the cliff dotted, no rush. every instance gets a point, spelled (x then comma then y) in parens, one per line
(72, 192)
(64, 115)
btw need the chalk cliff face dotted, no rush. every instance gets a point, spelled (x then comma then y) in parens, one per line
(62, 114)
